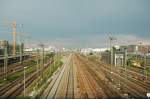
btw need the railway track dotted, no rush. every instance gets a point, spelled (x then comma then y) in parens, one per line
(18, 90)
(133, 78)
(46, 94)
(13, 68)
(92, 81)
(142, 86)
(83, 92)
(56, 89)
(132, 75)
(106, 86)
(130, 72)
(15, 88)
(89, 87)
(4, 89)
(70, 84)
(64, 82)
(135, 87)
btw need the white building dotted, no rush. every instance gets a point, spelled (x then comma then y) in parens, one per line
(92, 50)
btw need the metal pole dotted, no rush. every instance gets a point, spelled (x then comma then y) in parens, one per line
(24, 81)
(141, 47)
(125, 65)
(5, 60)
(57, 58)
(146, 63)
(37, 64)
(4, 68)
(42, 61)
(145, 67)
(21, 52)
(111, 58)
(54, 59)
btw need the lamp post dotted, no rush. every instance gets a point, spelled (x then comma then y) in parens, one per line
(25, 80)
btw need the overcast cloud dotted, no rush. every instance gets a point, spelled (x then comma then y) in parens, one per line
(78, 23)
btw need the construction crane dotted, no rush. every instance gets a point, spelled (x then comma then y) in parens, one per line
(14, 25)
(14, 33)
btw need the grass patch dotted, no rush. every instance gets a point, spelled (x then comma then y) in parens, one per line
(18, 74)
(42, 84)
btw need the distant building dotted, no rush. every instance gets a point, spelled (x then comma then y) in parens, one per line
(105, 57)
(92, 50)
(10, 47)
(86, 51)
(3, 44)
(132, 48)
(118, 56)
(144, 49)
(136, 49)
(121, 48)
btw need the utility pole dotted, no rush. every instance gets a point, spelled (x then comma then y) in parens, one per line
(54, 59)
(42, 60)
(5, 44)
(111, 55)
(37, 62)
(57, 58)
(145, 67)
(125, 67)
(21, 51)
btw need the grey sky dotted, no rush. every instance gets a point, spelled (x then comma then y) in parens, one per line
(78, 23)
